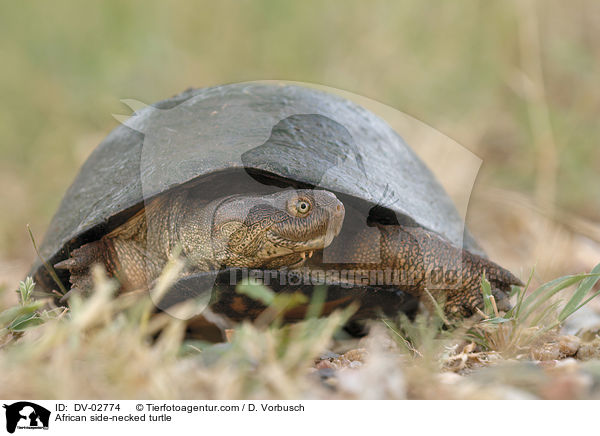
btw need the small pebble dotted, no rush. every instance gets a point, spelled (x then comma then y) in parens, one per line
(325, 364)
(357, 354)
(548, 351)
(329, 355)
(326, 373)
(588, 351)
(342, 362)
(569, 344)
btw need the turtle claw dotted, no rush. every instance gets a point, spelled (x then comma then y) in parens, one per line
(66, 264)
(69, 294)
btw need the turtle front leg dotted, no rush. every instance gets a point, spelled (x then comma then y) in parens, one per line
(448, 273)
(466, 298)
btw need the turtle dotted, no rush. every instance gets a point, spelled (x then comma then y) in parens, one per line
(257, 178)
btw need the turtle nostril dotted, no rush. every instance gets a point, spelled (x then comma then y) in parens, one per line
(338, 208)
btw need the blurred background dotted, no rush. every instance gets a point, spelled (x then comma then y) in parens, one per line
(514, 82)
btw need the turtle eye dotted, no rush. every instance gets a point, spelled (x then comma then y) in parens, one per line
(302, 207)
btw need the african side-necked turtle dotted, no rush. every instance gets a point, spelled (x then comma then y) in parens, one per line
(263, 176)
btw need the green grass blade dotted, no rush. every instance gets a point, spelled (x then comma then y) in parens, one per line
(48, 267)
(545, 313)
(587, 300)
(552, 284)
(486, 290)
(25, 322)
(256, 291)
(582, 290)
(521, 295)
(12, 313)
(317, 302)
(439, 311)
(495, 321)
(547, 291)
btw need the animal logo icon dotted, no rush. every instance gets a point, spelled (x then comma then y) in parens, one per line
(26, 415)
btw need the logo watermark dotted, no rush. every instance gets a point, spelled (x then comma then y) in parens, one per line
(436, 278)
(24, 415)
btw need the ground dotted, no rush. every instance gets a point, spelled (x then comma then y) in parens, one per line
(514, 83)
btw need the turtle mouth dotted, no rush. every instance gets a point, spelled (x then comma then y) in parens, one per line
(289, 246)
(280, 247)
(285, 257)
(306, 254)
(303, 255)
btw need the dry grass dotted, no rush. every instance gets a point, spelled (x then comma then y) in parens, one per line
(115, 347)
(514, 82)
(107, 347)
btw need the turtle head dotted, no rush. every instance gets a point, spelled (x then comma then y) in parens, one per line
(277, 230)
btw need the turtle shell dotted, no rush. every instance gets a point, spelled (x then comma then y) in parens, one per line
(249, 137)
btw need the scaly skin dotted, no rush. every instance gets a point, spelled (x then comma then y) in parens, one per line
(265, 232)
(254, 231)
(419, 258)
